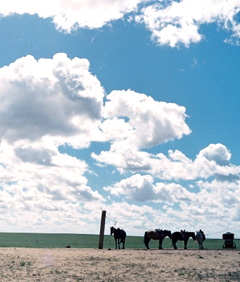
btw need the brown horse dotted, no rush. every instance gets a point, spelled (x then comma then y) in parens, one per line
(157, 234)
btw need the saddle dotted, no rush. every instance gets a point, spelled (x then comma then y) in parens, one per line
(183, 234)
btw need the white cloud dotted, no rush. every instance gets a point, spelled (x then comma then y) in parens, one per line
(42, 190)
(70, 15)
(57, 177)
(48, 216)
(212, 161)
(45, 104)
(52, 102)
(141, 188)
(136, 219)
(57, 99)
(170, 22)
(141, 121)
(217, 153)
(175, 22)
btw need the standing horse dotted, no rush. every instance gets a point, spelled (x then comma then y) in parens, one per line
(182, 236)
(119, 236)
(157, 234)
(200, 237)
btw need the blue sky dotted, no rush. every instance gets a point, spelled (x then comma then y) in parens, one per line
(126, 106)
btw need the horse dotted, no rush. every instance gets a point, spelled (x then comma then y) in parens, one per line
(157, 234)
(182, 236)
(119, 236)
(200, 237)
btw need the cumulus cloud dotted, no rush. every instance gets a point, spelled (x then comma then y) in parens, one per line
(136, 219)
(51, 98)
(28, 172)
(39, 188)
(170, 22)
(139, 120)
(45, 104)
(70, 15)
(141, 188)
(178, 22)
(217, 153)
(213, 161)
(53, 102)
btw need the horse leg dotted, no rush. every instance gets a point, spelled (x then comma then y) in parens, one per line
(174, 244)
(185, 244)
(118, 244)
(160, 245)
(115, 243)
(123, 244)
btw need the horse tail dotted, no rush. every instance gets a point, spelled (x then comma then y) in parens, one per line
(146, 240)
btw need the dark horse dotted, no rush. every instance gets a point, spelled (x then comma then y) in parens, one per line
(182, 236)
(157, 234)
(119, 236)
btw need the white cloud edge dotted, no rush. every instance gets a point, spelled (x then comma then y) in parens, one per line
(173, 23)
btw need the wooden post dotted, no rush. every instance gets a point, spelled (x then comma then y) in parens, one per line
(102, 227)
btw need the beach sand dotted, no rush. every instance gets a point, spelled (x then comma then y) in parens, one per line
(25, 264)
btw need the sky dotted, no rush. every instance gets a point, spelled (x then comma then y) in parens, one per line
(128, 106)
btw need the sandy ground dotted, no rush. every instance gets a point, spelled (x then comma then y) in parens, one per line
(20, 264)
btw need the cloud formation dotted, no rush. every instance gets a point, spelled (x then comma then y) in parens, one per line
(71, 15)
(57, 99)
(213, 161)
(141, 121)
(55, 102)
(52, 102)
(45, 104)
(140, 188)
(170, 22)
(178, 22)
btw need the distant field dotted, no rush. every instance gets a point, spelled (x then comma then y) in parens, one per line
(37, 240)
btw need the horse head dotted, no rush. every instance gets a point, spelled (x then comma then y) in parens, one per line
(112, 229)
(192, 234)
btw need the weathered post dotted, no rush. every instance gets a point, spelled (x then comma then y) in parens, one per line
(101, 235)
